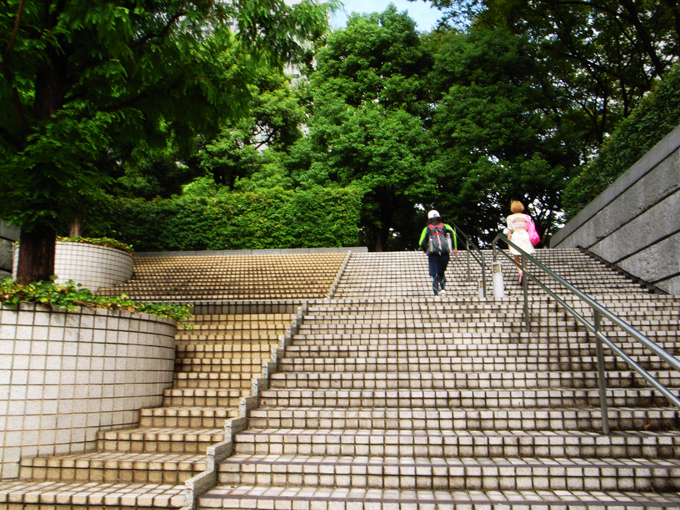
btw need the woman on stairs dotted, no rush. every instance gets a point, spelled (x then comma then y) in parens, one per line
(517, 227)
(438, 240)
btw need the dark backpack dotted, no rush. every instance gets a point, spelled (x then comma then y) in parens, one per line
(438, 244)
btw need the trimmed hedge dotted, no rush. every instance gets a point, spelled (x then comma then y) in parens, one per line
(226, 220)
(656, 116)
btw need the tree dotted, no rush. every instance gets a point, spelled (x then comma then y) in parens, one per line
(606, 53)
(273, 125)
(79, 78)
(368, 113)
(503, 133)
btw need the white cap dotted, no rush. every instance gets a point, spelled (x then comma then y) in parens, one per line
(432, 214)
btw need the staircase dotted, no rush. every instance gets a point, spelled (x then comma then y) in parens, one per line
(389, 399)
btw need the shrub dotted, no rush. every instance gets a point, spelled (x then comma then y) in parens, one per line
(221, 220)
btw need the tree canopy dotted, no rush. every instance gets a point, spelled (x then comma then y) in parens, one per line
(82, 82)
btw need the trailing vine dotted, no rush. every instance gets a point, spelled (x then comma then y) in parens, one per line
(70, 296)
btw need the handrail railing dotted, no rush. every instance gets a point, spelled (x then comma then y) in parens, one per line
(599, 311)
(473, 251)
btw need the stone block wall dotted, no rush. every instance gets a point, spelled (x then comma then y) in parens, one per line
(634, 223)
(65, 375)
(7, 237)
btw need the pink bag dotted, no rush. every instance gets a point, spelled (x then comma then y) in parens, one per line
(531, 230)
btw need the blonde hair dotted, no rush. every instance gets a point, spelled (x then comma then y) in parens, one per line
(516, 207)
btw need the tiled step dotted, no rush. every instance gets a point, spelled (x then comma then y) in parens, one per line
(213, 380)
(464, 380)
(452, 474)
(97, 467)
(52, 495)
(455, 399)
(447, 443)
(186, 417)
(425, 349)
(230, 364)
(201, 398)
(241, 349)
(159, 440)
(313, 418)
(460, 364)
(313, 498)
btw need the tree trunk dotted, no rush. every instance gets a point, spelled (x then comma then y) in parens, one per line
(36, 255)
(76, 227)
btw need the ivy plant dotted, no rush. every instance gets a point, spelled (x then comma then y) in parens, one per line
(70, 296)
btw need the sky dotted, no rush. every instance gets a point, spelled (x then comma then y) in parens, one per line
(421, 12)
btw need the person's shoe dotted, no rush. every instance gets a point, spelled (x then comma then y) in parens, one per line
(436, 297)
(442, 293)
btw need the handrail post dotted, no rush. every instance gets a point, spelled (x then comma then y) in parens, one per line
(483, 277)
(600, 373)
(467, 250)
(527, 321)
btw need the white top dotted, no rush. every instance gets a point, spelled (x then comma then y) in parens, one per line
(517, 222)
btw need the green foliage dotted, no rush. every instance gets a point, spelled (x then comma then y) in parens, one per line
(69, 296)
(655, 117)
(81, 81)
(502, 135)
(368, 108)
(208, 217)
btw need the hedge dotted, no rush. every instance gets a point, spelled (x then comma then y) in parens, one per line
(224, 220)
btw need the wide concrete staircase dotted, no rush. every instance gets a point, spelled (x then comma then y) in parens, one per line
(218, 353)
(389, 399)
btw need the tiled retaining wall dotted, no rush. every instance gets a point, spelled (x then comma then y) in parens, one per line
(634, 223)
(66, 375)
(90, 265)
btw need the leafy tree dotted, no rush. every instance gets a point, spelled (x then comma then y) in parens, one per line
(605, 53)
(502, 132)
(368, 113)
(273, 124)
(79, 79)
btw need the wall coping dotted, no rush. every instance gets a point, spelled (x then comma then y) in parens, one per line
(665, 148)
(282, 251)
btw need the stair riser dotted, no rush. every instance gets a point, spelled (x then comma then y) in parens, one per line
(185, 422)
(435, 365)
(460, 478)
(460, 384)
(115, 474)
(201, 402)
(182, 447)
(458, 402)
(583, 422)
(458, 451)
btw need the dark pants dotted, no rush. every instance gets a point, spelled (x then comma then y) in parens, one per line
(437, 265)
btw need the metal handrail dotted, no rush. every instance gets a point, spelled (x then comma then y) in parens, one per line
(599, 311)
(473, 251)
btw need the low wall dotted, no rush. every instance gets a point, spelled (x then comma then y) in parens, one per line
(634, 223)
(88, 264)
(7, 237)
(66, 375)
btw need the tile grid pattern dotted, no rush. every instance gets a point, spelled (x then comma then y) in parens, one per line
(511, 419)
(66, 374)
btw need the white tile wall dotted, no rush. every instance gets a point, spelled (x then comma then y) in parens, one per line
(66, 375)
(90, 265)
